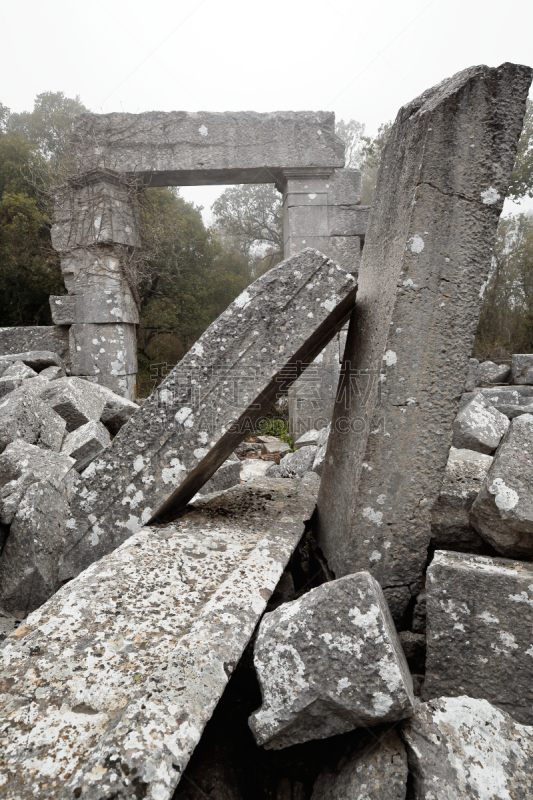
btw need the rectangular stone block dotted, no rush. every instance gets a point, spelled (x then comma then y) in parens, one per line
(36, 337)
(441, 185)
(104, 306)
(75, 400)
(100, 211)
(181, 148)
(96, 270)
(305, 221)
(348, 220)
(479, 623)
(103, 350)
(343, 187)
(209, 402)
(344, 250)
(144, 643)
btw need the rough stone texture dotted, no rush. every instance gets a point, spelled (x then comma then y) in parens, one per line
(414, 647)
(19, 371)
(103, 350)
(465, 473)
(35, 359)
(312, 397)
(503, 510)
(273, 444)
(183, 149)
(75, 400)
(490, 372)
(309, 438)
(53, 373)
(104, 306)
(329, 662)
(226, 476)
(129, 660)
(23, 415)
(463, 748)
(479, 426)
(419, 613)
(380, 773)
(479, 622)
(36, 337)
(252, 468)
(427, 254)
(22, 464)
(209, 402)
(320, 455)
(522, 368)
(296, 464)
(86, 443)
(117, 410)
(472, 376)
(8, 623)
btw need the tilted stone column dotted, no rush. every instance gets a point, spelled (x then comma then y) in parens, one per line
(96, 234)
(442, 181)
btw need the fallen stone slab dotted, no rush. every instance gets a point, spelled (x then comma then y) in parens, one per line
(22, 464)
(13, 377)
(479, 622)
(465, 473)
(489, 372)
(417, 311)
(379, 773)
(143, 644)
(306, 439)
(273, 445)
(479, 426)
(23, 415)
(226, 476)
(327, 663)
(53, 373)
(117, 409)
(20, 339)
(296, 464)
(459, 747)
(209, 402)
(502, 513)
(252, 468)
(321, 448)
(86, 443)
(76, 400)
(522, 368)
(36, 359)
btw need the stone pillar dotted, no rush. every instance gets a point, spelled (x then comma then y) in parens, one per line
(96, 235)
(322, 210)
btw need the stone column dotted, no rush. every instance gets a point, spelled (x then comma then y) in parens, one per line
(96, 235)
(321, 209)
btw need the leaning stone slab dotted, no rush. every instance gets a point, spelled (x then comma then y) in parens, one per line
(74, 399)
(479, 426)
(479, 623)
(86, 443)
(465, 473)
(209, 402)
(23, 415)
(522, 368)
(329, 662)
(379, 773)
(427, 254)
(106, 689)
(459, 747)
(503, 510)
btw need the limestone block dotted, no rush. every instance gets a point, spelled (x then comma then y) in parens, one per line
(419, 613)
(144, 641)
(459, 747)
(465, 473)
(92, 271)
(123, 385)
(103, 350)
(37, 360)
(99, 212)
(19, 371)
(8, 385)
(472, 377)
(117, 409)
(342, 188)
(85, 443)
(75, 400)
(252, 468)
(308, 438)
(8, 623)
(210, 402)
(503, 510)
(379, 773)
(320, 455)
(36, 337)
(22, 464)
(522, 369)
(181, 148)
(414, 648)
(419, 301)
(273, 444)
(479, 622)
(24, 415)
(52, 373)
(327, 663)
(489, 372)
(226, 476)
(348, 220)
(296, 464)
(479, 426)
(104, 306)
(30, 558)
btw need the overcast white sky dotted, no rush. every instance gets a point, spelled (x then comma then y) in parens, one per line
(362, 60)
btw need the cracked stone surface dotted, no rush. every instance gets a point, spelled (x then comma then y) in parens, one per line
(24, 415)
(85, 443)
(479, 623)
(459, 747)
(479, 426)
(502, 513)
(329, 662)
(20, 339)
(208, 403)
(74, 399)
(426, 257)
(106, 689)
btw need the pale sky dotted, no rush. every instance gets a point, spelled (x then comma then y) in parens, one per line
(362, 60)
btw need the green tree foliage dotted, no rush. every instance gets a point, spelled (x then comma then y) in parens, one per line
(363, 152)
(48, 125)
(522, 178)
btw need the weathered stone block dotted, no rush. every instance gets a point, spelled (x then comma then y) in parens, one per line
(465, 473)
(489, 372)
(22, 464)
(312, 397)
(320, 455)
(295, 465)
(37, 360)
(522, 368)
(144, 641)
(104, 306)
(103, 350)
(19, 371)
(92, 271)
(464, 748)
(23, 415)
(75, 400)
(479, 622)
(327, 663)
(479, 426)
(229, 379)
(379, 773)
(85, 443)
(273, 444)
(36, 337)
(117, 409)
(255, 468)
(226, 476)
(308, 438)
(503, 510)
(427, 254)
(52, 373)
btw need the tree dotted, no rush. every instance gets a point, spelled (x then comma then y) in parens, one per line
(48, 125)
(522, 178)
(363, 152)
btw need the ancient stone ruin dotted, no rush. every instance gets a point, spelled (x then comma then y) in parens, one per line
(350, 616)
